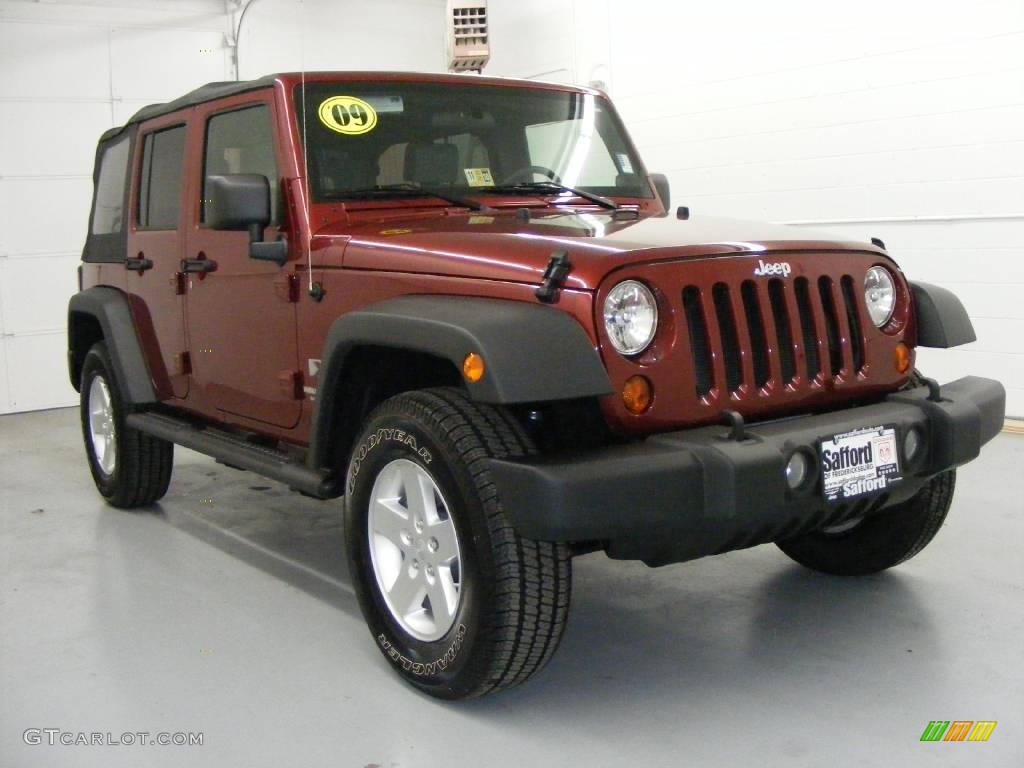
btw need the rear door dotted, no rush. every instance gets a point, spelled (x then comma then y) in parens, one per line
(241, 315)
(155, 249)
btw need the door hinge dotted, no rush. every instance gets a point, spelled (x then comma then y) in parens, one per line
(287, 288)
(290, 383)
(183, 362)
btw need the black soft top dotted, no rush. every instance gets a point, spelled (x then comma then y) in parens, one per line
(202, 94)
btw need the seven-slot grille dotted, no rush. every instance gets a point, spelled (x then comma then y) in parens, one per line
(772, 334)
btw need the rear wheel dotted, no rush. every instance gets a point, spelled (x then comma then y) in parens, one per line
(456, 600)
(130, 469)
(881, 541)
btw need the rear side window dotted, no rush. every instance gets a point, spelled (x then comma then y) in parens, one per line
(163, 163)
(108, 210)
(241, 142)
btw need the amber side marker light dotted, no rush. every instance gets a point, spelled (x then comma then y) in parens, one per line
(473, 367)
(902, 358)
(637, 394)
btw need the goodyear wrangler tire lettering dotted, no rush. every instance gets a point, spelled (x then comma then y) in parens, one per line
(377, 438)
(430, 668)
(347, 115)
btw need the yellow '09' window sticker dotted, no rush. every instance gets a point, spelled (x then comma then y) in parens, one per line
(347, 115)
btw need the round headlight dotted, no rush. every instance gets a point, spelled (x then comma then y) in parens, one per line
(630, 317)
(880, 295)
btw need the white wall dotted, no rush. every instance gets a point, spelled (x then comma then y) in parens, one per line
(69, 70)
(902, 120)
(289, 35)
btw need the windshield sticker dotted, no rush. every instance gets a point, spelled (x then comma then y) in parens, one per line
(386, 104)
(479, 177)
(347, 115)
(624, 165)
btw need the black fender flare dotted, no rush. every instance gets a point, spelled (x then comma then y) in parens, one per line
(942, 321)
(110, 308)
(532, 353)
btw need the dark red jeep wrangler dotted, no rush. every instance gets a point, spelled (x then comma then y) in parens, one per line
(463, 304)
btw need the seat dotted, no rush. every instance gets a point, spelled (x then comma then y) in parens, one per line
(431, 163)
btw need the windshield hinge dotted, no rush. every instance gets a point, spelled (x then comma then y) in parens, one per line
(554, 277)
(624, 212)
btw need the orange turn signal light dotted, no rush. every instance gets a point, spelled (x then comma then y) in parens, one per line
(473, 367)
(903, 358)
(637, 394)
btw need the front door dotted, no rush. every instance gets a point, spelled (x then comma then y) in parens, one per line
(241, 314)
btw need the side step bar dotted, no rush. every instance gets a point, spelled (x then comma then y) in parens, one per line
(237, 452)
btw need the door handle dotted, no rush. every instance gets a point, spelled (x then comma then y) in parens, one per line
(198, 265)
(140, 264)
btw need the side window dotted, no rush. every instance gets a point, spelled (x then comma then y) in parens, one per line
(108, 211)
(163, 161)
(241, 142)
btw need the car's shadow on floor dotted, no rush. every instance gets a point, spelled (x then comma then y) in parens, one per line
(706, 628)
(294, 538)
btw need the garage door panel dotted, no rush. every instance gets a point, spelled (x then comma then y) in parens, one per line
(34, 292)
(52, 62)
(5, 401)
(52, 138)
(44, 215)
(161, 64)
(997, 334)
(37, 372)
(124, 109)
(948, 364)
(865, 201)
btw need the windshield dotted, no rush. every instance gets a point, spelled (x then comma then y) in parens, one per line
(378, 140)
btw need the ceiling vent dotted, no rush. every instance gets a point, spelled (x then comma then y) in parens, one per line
(468, 47)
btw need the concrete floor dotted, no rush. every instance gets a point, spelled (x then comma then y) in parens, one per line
(227, 610)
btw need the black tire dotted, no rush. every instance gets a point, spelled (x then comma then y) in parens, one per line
(881, 541)
(514, 593)
(142, 464)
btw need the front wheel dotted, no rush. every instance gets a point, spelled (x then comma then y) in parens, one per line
(457, 601)
(881, 541)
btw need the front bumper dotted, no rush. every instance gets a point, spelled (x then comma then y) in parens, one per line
(682, 495)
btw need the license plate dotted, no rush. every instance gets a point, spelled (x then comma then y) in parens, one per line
(859, 463)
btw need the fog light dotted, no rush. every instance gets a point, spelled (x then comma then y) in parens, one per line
(796, 470)
(903, 358)
(473, 367)
(912, 445)
(637, 394)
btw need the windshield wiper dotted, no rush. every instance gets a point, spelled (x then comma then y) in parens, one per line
(604, 202)
(403, 189)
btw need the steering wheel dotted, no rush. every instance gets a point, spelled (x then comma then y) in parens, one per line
(529, 170)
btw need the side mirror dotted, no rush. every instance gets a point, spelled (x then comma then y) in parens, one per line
(660, 182)
(241, 201)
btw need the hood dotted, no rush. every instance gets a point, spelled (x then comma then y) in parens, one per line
(503, 245)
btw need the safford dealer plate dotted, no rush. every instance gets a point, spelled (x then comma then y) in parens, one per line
(858, 463)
